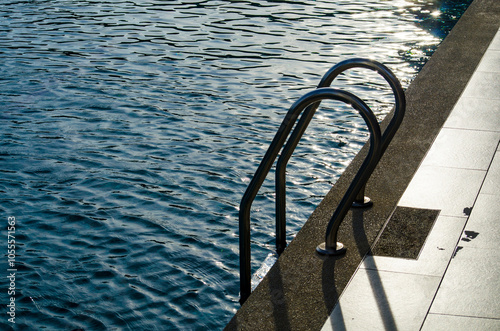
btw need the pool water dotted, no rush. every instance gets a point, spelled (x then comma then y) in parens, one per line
(130, 130)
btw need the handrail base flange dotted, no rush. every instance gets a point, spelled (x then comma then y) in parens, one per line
(365, 203)
(323, 250)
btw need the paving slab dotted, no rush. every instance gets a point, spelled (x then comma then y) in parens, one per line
(471, 285)
(461, 148)
(475, 114)
(491, 183)
(381, 300)
(451, 190)
(438, 322)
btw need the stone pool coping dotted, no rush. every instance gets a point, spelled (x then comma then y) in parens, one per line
(302, 288)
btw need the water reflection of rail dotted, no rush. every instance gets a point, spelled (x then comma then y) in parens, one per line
(308, 105)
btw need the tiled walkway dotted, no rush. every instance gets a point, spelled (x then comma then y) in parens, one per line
(455, 282)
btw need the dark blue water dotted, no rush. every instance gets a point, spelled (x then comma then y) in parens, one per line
(130, 129)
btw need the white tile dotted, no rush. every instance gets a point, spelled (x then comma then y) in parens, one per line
(495, 43)
(483, 85)
(481, 230)
(435, 255)
(475, 114)
(450, 190)
(490, 61)
(378, 300)
(437, 322)
(492, 181)
(458, 148)
(471, 285)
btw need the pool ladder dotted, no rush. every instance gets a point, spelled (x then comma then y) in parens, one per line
(354, 196)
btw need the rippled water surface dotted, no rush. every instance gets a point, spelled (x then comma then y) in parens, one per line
(130, 129)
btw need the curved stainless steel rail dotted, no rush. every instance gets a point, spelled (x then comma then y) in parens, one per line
(311, 98)
(389, 132)
(399, 107)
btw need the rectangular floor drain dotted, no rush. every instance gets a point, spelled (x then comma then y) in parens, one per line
(405, 233)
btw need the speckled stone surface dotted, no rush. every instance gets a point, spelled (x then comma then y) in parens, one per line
(302, 288)
(405, 232)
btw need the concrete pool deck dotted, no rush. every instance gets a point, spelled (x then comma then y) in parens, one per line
(443, 165)
(455, 281)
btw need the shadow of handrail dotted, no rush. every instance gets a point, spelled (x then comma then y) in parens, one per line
(337, 319)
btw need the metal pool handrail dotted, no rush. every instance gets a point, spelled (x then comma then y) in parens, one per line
(286, 126)
(389, 132)
(399, 104)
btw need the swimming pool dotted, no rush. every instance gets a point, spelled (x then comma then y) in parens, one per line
(130, 130)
